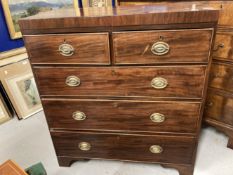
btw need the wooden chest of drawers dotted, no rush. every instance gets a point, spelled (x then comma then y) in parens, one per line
(219, 106)
(119, 83)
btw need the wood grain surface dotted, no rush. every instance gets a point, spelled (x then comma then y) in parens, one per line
(11, 168)
(185, 46)
(118, 115)
(219, 106)
(226, 6)
(226, 15)
(125, 146)
(90, 48)
(221, 76)
(123, 81)
(223, 47)
(119, 17)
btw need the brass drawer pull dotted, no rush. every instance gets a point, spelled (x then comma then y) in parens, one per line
(160, 48)
(84, 146)
(159, 83)
(156, 149)
(66, 49)
(219, 46)
(72, 81)
(157, 118)
(77, 115)
(209, 104)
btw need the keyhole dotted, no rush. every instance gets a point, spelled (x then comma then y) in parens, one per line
(161, 37)
(113, 72)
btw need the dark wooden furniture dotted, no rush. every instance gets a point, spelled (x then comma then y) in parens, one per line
(219, 106)
(123, 84)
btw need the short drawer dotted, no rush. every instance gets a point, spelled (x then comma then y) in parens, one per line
(166, 149)
(91, 48)
(223, 47)
(167, 81)
(221, 76)
(219, 106)
(119, 115)
(175, 46)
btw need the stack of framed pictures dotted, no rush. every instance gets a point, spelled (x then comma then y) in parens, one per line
(19, 84)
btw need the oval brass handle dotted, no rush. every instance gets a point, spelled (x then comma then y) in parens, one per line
(66, 49)
(160, 48)
(209, 104)
(77, 115)
(157, 118)
(72, 81)
(156, 149)
(219, 46)
(159, 83)
(84, 146)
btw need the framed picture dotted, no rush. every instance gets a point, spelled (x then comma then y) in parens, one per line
(5, 114)
(97, 3)
(20, 86)
(17, 9)
(12, 53)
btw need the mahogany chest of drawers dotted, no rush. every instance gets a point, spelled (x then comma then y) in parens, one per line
(219, 105)
(123, 84)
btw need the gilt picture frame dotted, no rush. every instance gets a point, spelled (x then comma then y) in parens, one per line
(17, 9)
(97, 3)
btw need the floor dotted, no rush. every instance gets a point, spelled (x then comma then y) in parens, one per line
(28, 142)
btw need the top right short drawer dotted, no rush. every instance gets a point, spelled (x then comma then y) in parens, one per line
(169, 46)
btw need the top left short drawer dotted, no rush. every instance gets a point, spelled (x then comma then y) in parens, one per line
(82, 48)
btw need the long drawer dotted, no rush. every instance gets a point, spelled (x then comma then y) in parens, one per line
(219, 106)
(166, 149)
(221, 76)
(174, 46)
(127, 116)
(164, 81)
(82, 48)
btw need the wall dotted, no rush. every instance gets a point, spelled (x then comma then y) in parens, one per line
(6, 43)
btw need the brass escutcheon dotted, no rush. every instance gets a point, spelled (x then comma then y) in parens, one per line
(159, 83)
(77, 115)
(66, 49)
(73, 81)
(156, 149)
(84, 146)
(157, 118)
(160, 48)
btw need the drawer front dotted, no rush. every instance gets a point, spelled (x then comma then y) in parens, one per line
(180, 46)
(226, 15)
(68, 48)
(219, 106)
(221, 76)
(223, 47)
(116, 115)
(177, 150)
(167, 81)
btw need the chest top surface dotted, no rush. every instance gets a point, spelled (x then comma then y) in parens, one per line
(120, 17)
